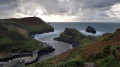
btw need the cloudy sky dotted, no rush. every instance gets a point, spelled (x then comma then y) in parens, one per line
(63, 10)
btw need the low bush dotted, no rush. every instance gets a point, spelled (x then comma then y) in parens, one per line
(107, 50)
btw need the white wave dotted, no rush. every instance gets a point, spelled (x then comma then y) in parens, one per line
(50, 33)
(47, 36)
(47, 41)
(98, 33)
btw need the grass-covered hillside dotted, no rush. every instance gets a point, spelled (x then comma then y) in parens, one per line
(14, 34)
(31, 24)
(105, 52)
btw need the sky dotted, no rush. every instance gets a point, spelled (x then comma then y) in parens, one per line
(62, 10)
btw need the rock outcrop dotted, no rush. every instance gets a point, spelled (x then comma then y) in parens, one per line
(90, 30)
(73, 37)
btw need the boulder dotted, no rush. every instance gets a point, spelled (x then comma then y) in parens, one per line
(90, 30)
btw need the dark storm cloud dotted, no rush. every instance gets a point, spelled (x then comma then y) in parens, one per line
(7, 1)
(8, 4)
(97, 3)
(74, 7)
(7, 8)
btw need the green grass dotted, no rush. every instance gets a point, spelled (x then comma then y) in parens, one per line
(13, 41)
(38, 28)
(5, 41)
(109, 61)
(68, 63)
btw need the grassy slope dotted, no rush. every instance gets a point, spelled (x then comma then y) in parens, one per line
(14, 34)
(31, 24)
(91, 53)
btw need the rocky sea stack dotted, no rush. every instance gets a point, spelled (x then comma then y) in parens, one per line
(90, 30)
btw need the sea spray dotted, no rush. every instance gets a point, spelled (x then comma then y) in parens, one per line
(98, 33)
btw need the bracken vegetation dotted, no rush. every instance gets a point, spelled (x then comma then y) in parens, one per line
(105, 52)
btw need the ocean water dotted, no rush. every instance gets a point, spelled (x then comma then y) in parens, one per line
(61, 47)
(100, 27)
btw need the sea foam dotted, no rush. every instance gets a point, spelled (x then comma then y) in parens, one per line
(98, 33)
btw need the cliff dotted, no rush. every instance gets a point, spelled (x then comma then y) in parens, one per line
(14, 34)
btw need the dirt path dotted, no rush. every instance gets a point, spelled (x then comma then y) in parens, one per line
(89, 64)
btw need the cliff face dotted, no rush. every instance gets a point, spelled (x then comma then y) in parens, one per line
(14, 34)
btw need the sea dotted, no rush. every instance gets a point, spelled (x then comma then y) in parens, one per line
(59, 27)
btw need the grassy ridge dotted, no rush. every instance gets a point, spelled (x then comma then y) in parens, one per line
(31, 24)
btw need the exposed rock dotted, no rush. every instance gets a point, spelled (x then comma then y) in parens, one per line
(46, 50)
(90, 30)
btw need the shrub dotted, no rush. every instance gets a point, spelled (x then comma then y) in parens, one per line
(114, 53)
(69, 63)
(107, 49)
(118, 47)
(74, 63)
(109, 61)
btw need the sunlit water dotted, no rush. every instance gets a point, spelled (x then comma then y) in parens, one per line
(61, 47)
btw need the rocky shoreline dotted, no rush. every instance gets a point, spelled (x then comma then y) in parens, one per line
(70, 41)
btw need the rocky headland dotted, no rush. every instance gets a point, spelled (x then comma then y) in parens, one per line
(74, 37)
